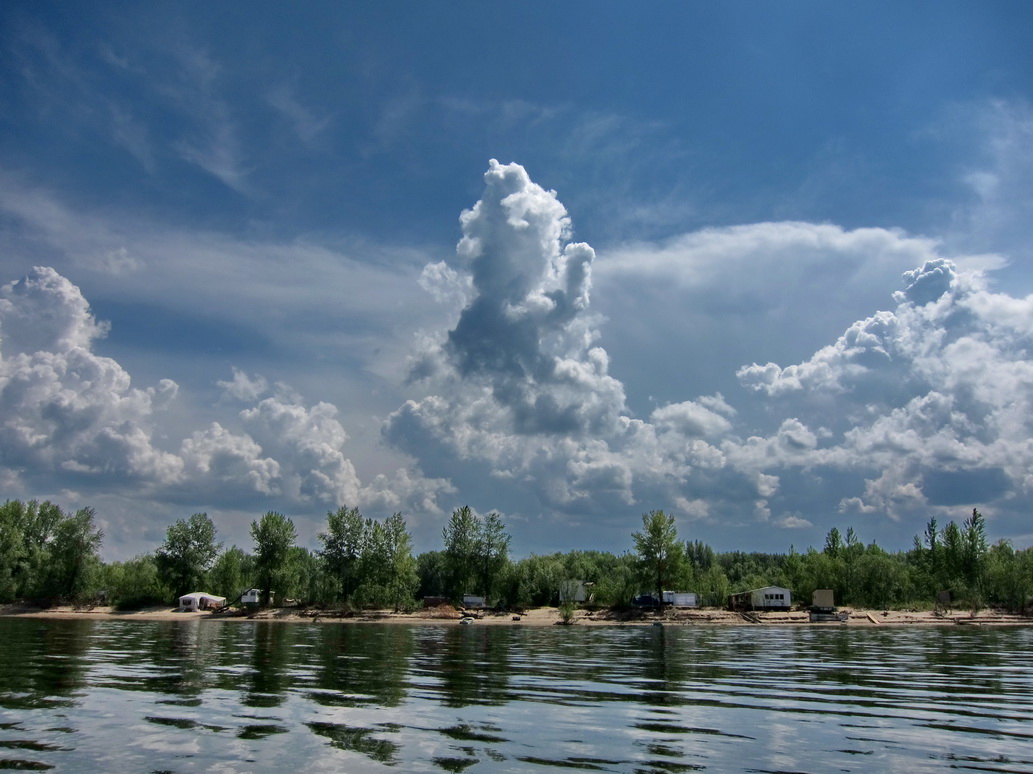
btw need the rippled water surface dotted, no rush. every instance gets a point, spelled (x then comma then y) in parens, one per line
(231, 696)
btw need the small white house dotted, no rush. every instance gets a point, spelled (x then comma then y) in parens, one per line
(681, 598)
(251, 597)
(574, 591)
(200, 600)
(766, 598)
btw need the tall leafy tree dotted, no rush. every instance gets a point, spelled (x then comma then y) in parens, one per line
(952, 570)
(833, 542)
(135, 583)
(430, 566)
(74, 558)
(402, 577)
(231, 573)
(701, 556)
(974, 551)
(26, 536)
(306, 574)
(274, 535)
(476, 553)
(460, 536)
(661, 556)
(492, 554)
(342, 547)
(12, 549)
(188, 553)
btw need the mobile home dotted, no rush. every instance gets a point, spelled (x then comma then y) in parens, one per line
(766, 598)
(681, 598)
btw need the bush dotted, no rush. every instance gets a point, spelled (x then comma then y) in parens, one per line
(567, 611)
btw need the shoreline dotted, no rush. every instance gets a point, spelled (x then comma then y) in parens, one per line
(543, 616)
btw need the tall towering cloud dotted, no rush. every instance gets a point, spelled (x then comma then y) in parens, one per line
(918, 407)
(521, 387)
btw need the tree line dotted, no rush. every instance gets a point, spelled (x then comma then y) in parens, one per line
(362, 563)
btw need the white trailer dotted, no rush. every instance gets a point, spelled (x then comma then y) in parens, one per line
(681, 598)
(767, 598)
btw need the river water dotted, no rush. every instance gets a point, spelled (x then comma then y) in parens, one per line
(197, 696)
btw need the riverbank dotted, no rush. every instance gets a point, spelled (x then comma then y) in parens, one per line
(543, 616)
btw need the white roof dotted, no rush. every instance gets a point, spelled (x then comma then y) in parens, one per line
(199, 595)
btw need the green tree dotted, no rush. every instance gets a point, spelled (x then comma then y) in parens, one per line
(661, 555)
(12, 549)
(974, 553)
(387, 567)
(476, 553)
(274, 536)
(713, 586)
(492, 549)
(1009, 576)
(617, 580)
(879, 579)
(430, 566)
(952, 566)
(74, 559)
(402, 577)
(700, 556)
(342, 546)
(536, 580)
(833, 543)
(231, 573)
(306, 575)
(135, 583)
(26, 536)
(187, 554)
(460, 536)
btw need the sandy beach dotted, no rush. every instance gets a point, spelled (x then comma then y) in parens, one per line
(543, 616)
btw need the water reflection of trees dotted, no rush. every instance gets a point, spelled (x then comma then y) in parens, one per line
(472, 664)
(360, 740)
(362, 664)
(169, 658)
(265, 683)
(43, 663)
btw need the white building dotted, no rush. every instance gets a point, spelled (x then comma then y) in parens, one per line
(681, 598)
(251, 597)
(200, 600)
(574, 591)
(766, 598)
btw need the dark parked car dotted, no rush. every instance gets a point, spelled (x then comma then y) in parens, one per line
(645, 600)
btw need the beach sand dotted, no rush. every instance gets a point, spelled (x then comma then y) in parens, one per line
(543, 616)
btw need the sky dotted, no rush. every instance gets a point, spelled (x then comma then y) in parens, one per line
(766, 267)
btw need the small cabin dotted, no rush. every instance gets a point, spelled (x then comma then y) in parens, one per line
(823, 601)
(574, 591)
(823, 607)
(472, 601)
(251, 597)
(680, 598)
(200, 600)
(766, 598)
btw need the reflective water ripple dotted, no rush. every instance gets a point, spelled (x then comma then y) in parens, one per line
(232, 696)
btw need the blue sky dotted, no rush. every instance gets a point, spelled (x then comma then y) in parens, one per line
(764, 266)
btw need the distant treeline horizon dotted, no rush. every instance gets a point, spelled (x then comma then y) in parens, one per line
(49, 556)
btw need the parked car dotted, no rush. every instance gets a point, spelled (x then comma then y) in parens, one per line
(645, 600)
